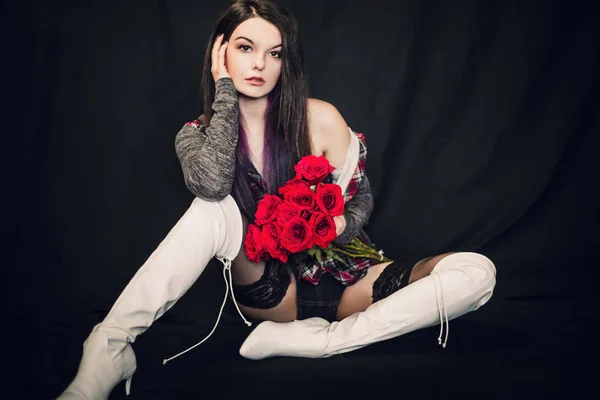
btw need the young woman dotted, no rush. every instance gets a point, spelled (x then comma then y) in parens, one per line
(258, 122)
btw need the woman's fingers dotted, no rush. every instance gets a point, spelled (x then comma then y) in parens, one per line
(340, 224)
(215, 54)
(218, 68)
(222, 69)
(216, 46)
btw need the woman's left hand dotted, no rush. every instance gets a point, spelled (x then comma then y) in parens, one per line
(340, 224)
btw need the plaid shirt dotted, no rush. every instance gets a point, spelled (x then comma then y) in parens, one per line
(310, 269)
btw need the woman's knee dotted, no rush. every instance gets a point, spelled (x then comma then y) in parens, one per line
(480, 267)
(478, 273)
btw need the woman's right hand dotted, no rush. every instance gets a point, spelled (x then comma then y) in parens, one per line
(218, 68)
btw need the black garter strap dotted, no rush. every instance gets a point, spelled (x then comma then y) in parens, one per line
(393, 278)
(269, 290)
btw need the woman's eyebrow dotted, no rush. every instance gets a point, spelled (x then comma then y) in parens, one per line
(245, 38)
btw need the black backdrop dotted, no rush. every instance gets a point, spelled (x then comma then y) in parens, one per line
(482, 120)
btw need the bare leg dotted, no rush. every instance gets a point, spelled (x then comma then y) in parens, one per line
(441, 288)
(358, 297)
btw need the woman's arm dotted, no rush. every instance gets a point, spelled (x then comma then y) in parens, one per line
(356, 213)
(330, 135)
(207, 154)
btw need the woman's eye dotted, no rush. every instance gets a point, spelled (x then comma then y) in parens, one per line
(245, 47)
(276, 54)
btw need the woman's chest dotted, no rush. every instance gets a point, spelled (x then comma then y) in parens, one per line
(258, 152)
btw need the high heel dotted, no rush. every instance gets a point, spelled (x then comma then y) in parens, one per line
(206, 230)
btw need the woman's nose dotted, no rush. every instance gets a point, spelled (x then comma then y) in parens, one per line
(259, 63)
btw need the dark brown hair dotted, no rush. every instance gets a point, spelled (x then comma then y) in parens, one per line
(286, 125)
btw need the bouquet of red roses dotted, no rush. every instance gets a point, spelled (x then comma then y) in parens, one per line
(300, 220)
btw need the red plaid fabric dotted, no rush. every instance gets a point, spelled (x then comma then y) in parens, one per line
(352, 269)
(359, 172)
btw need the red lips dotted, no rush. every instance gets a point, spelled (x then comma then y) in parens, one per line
(255, 81)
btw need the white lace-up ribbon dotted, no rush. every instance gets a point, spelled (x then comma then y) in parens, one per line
(441, 306)
(228, 285)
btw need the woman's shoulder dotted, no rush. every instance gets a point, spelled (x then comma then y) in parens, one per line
(322, 113)
(328, 130)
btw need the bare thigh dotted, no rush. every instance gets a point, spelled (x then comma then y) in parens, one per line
(358, 297)
(245, 272)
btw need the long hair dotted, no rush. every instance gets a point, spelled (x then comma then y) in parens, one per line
(286, 121)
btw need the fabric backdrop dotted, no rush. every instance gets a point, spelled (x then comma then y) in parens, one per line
(482, 120)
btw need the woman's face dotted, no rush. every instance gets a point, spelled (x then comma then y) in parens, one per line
(253, 57)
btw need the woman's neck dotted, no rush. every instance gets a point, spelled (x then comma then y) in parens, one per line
(252, 112)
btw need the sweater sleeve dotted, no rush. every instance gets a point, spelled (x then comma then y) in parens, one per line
(207, 154)
(357, 212)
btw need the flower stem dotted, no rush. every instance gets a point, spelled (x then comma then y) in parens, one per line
(357, 248)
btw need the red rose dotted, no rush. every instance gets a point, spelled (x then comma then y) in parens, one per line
(271, 234)
(287, 211)
(266, 211)
(291, 185)
(329, 199)
(323, 229)
(301, 196)
(313, 169)
(296, 235)
(254, 243)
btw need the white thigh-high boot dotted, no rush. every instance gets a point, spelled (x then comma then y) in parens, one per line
(458, 284)
(206, 230)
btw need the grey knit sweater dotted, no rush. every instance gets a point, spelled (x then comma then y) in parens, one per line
(207, 153)
(207, 157)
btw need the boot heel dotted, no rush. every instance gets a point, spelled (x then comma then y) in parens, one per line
(128, 385)
(178, 261)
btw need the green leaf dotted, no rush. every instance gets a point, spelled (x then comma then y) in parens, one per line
(318, 256)
(337, 257)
